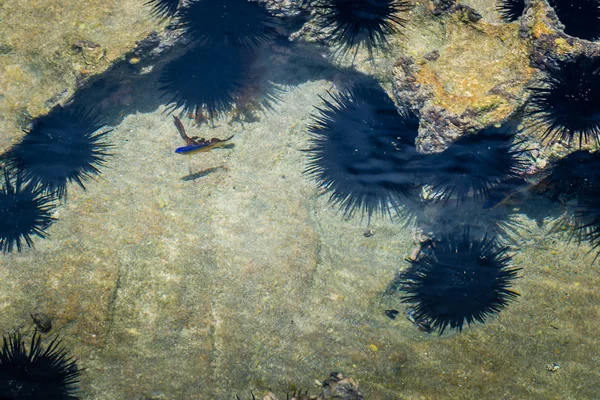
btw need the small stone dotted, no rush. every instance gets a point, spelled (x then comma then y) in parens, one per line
(368, 233)
(541, 163)
(432, 55)
(42, 321)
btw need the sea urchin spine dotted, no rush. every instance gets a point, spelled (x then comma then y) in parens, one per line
(510, 10)
(163, 8)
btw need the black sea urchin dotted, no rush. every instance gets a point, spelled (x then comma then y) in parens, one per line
(460, 280)
(587, 219)
(163, 8)
(60, 148)
(352, 24)
(568, 105)
(40, 374)
(24, 211)
(207, 79)
(581, 18)
(576, 175)
(363, 151)
(476, 163)
(510, 10)
(240, 23)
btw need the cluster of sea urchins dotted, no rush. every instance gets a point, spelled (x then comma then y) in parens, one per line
(214, 74)
(37, 373)
(372, 167)
(65, 146)
(565, 106)
(362, 153)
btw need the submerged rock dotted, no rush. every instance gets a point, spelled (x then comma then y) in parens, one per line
(477, 77)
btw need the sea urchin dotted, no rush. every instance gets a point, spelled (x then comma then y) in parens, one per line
(510, 10)
(60, 148)
(206, 79)
(575, 176)
(475, 164)
(363, 151)
(352, 24)
(567, 106)
(240, 23)
(42, 373)
(459, 280)
(24, 211)
(581, 18)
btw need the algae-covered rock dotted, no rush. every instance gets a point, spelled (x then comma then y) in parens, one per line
(475, 76)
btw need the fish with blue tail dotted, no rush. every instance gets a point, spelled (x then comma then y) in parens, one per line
(196, 144)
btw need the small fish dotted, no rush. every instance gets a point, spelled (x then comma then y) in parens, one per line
(506, 192)
(204, 145)
(198, 145)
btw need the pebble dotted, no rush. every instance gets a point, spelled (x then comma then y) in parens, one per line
(42, 321)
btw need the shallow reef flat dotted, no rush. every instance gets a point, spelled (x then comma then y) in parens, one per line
(204, 276)
(247, 279)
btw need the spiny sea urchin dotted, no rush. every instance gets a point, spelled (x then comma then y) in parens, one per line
(581, 18)
(25, 210)
(239, 23)
(458, 281)
(363, 151)
(41, 373)
(567, 106)
(61, 147)
(576, 175)
(352, 24)
(587, 220)
(510, 10)
(476, 163)
(207, 79)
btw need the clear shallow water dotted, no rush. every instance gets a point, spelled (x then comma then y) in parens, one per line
(246, 278)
